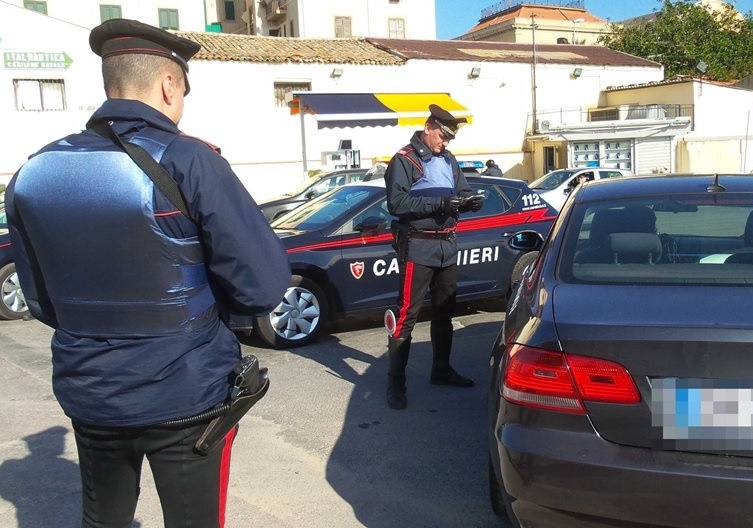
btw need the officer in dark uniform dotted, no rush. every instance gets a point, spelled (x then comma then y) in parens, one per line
(426, 190)
(492, 169)
(137, 293)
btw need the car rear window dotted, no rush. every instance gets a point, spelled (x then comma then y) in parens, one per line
(701, 239)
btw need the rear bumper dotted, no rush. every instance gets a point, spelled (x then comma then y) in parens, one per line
(575, 479)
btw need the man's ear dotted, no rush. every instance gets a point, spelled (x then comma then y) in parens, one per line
(170, 87)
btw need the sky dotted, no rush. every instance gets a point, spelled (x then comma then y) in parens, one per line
(456, 17)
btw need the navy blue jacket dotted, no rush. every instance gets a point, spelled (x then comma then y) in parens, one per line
(422, 210)
(147, 379)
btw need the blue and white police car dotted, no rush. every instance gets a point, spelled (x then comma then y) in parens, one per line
(343, 263)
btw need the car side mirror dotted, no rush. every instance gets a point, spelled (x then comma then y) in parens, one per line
(526, 241)
(372, 223)
(310, 195)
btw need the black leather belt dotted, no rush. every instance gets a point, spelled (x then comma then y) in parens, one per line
(445, 234)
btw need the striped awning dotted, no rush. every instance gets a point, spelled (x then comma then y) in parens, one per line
(344, 110)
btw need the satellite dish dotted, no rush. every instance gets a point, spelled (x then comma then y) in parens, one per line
(244, 17)
(545, 125)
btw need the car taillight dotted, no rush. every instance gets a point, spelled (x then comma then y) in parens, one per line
(561, 382)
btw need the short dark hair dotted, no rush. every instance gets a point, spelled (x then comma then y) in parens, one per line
(489, 163)
(135, 71)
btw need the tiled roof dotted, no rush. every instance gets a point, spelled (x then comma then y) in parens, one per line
(540, 12)
(249, 48)
(677, 79)
(486, 51)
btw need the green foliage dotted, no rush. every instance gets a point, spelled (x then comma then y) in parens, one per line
(681, 34)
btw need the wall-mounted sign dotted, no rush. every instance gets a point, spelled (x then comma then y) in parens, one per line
(36, 60)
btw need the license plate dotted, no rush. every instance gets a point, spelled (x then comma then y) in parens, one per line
(702, 414)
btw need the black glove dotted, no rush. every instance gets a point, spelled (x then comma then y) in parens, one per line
(450, 205)
(472, 203)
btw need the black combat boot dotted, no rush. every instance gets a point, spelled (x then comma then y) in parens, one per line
(398, 350)
(441, 371)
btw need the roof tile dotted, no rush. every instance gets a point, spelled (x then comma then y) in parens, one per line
(251, 48)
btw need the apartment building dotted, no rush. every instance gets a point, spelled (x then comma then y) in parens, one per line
(399, 19)
(403, 19)
(185, 15)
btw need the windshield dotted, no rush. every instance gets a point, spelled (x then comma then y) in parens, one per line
(303, 186)
(323, 210)
(552, 180)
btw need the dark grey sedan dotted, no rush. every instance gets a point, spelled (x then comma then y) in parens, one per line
(621, 388)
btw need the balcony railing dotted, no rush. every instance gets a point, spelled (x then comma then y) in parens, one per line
(578, 116)
(276, 10)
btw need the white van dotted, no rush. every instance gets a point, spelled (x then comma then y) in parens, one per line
(555, 186)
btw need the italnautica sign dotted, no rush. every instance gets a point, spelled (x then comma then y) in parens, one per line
(36, 60)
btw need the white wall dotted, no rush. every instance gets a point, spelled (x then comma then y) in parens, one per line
(23, 133)
(722, 110)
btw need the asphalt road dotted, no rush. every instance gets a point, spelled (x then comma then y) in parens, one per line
(322, 449)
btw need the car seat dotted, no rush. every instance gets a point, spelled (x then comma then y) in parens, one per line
(605, 222)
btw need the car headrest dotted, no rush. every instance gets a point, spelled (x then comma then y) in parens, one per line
(635, 247)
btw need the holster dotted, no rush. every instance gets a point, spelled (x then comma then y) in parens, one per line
(400, 235)
(250, 386)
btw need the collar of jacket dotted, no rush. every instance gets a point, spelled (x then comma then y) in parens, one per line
(424, 152)
(131, 114)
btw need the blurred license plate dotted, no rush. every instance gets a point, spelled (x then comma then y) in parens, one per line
(702, 414)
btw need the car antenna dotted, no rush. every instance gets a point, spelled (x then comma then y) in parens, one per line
(715, 187)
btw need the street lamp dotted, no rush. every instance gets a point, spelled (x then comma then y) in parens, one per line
(576, 21)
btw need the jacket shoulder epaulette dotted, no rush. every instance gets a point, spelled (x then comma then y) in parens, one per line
(207, 143)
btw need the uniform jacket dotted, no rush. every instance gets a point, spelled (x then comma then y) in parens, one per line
(128, 374)
(420, 206)
(494, 170)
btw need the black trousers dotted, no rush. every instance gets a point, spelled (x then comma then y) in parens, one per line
(415, 280)
(192, 488)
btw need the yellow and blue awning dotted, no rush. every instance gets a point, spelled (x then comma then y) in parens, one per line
(344, 110)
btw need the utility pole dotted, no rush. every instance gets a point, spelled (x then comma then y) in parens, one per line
(535, 124)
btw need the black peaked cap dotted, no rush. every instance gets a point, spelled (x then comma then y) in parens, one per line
(447, 122)
(119, 36)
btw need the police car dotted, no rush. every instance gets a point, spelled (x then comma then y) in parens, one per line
(340, 251)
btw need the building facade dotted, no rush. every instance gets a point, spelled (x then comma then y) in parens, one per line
(541, 22)
(412, 19)
(402, 19)
(679, 125)
(185, 15)
(243, 89)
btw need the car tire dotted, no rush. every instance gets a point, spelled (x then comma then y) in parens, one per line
(520, 266)
(13, 305)
(501, 500)
(298, 319)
